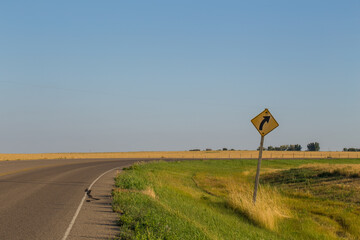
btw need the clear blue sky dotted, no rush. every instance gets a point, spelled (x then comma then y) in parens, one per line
(79, 76)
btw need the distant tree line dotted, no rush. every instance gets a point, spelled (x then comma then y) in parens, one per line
(295, 147)
(225, 149)
(351, 149)
(314, 146)
(209, 149)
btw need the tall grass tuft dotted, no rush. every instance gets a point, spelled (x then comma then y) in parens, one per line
(268, 209)
(149, 192)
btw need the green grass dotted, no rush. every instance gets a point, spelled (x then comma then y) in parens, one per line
(190, 200)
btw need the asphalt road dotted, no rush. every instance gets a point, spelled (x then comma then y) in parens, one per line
(38, 198)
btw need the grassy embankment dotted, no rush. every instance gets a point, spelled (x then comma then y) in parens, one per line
(211, 199)
(180, 154)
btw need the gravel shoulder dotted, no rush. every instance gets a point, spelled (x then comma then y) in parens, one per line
(96, 219)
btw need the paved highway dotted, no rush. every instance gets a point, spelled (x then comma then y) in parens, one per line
(38, 199)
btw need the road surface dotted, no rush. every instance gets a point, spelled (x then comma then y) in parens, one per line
(38, 199)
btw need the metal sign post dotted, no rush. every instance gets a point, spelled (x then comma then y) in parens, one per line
(258, 169)
(264, 123)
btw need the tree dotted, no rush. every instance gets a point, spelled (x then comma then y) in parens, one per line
(284, 147)
(270, 148)
(314, 146)
(298, 147)
(352, 149)
(295, 147)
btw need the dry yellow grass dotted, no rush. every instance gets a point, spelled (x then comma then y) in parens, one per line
(267, 211)
(182, 154)
(148, 191)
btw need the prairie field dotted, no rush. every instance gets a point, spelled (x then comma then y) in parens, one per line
(212, 199)
(182, 154)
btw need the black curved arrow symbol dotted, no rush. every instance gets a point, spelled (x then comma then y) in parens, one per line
(266, 119)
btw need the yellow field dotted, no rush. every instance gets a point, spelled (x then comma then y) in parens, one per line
(182, 154)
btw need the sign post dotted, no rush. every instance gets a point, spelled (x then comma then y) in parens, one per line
(258, 169)
(264, 123)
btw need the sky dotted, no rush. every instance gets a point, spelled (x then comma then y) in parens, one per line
(110, 76)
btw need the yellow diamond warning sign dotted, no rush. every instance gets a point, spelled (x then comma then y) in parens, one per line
(264, 122)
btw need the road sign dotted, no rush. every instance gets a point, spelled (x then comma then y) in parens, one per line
(264, 122)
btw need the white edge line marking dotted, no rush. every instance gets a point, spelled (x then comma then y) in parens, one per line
(68, 230)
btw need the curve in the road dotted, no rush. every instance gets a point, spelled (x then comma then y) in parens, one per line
(40, 202)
